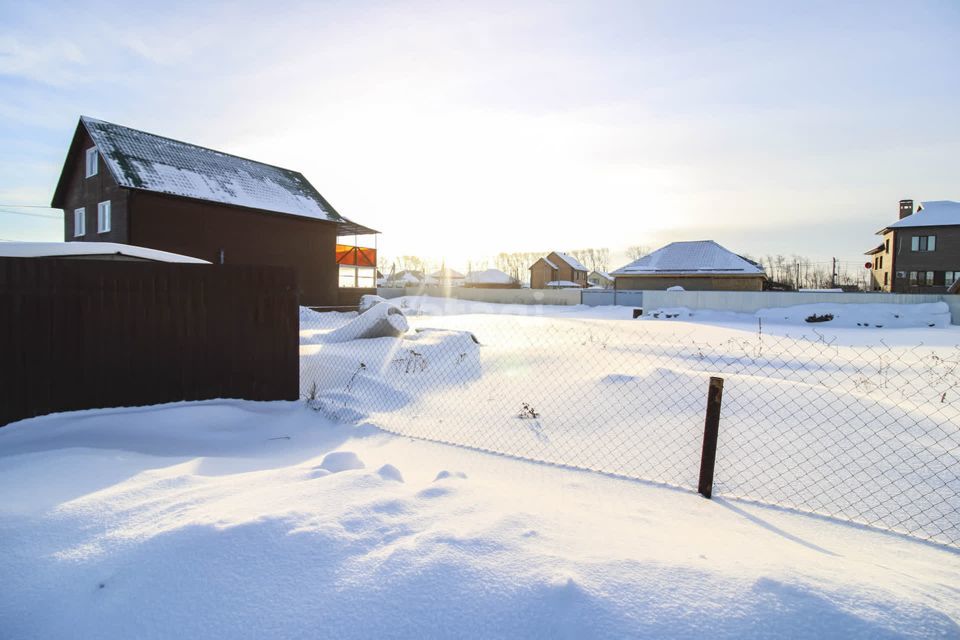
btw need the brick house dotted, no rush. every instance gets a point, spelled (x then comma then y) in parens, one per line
(557, 270)
(131, 187)
(920, 252)
(701, 265)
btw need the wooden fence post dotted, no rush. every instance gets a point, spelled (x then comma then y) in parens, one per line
(711, 426)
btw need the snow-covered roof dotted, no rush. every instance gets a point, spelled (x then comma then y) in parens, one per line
(563, 284)
(602, 274)
(68, 249)
(697, 257)
(140, 160)
(407, 276)
(570, 260)
(489, 276)
(547, 260)
(934, 213)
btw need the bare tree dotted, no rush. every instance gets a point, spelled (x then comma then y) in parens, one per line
(593, 259)
(637, 251)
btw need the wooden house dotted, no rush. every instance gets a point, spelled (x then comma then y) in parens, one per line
(557, 270)
(127, 186)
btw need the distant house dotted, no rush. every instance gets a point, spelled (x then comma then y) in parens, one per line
(555, 268)
(490, 279)
(701, 265)
(446, 277)
(600, 279)
(406, 278)
(127, 186)
(920, 252)
(91, 251)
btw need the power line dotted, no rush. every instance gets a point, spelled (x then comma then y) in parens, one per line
(26, 213)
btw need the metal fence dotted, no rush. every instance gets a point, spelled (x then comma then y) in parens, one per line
(868, 434)
(83, 334)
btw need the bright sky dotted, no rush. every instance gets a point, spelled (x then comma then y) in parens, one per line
(464, 129)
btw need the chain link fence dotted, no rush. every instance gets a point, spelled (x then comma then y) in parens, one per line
(867, 434)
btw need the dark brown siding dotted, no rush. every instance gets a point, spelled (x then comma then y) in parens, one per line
(946, 257)
(88, 192)
(87, 334)
(246, 236)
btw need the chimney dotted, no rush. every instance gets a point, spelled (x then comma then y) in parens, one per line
(906, 208)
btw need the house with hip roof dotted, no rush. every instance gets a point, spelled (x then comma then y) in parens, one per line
(701, 265)
(127, 186)
(920, 252)
(557, 270)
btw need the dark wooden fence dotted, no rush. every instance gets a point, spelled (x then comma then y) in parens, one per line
(81, 334)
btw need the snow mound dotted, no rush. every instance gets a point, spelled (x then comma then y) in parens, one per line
(368, 301)
(676, 287)
(339, 461)
(443, 475)
(380, 320)
(390, 472)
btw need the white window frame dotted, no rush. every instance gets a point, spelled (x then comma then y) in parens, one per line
(79, 222)
(103, 217)
(92, 162)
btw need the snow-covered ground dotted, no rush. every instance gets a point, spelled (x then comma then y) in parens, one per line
(233, 519)
(858, 423)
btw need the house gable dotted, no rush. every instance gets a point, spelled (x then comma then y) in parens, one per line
(147, 162)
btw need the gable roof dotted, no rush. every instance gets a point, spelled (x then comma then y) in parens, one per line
(148, 162)
(489, 276)
(447, 274)
(697, 257)
(602, 274)
(933, 213)
(74, 249)
(547, 260)
(570, 260)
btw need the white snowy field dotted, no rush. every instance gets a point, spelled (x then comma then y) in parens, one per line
(857, 422)
(232, 519)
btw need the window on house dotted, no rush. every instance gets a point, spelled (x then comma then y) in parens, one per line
(91, 162)
(886, 278)
(886, 246)
(103, 217)
(923, 243)
(921, 278)
(913, 278)
(949, 277)
(364, 277)
(79, 222)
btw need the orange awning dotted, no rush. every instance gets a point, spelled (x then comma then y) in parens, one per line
(356, 256)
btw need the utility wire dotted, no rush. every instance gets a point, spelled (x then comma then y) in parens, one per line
(27, 213)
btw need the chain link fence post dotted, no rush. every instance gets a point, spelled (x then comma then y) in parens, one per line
(711, 427)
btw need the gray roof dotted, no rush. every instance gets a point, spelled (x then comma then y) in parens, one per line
(140, 160)
(931, 213)
(698, 257)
